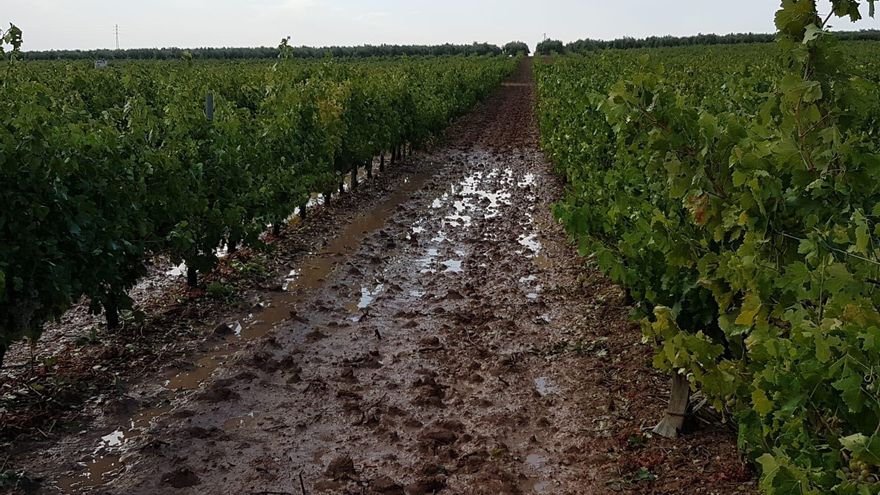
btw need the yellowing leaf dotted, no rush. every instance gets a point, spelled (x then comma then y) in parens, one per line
(751, 306)
(763, 405)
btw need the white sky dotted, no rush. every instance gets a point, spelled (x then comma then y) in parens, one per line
(85, 24)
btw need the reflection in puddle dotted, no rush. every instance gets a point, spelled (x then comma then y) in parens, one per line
(180, 270)
(531, 242)
(545, 387)
(452, 266)
(528, 180)
(367, 298)
(290, 279)
(191, 380)
(536, 461)
(114, 439)
(177, 271)
(458, 221)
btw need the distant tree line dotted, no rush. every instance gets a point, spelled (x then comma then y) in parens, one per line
(265, 52)
(587, 45)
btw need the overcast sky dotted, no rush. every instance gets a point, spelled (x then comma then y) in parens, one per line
(66, 24)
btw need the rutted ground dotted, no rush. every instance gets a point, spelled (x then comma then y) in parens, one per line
(448, 340)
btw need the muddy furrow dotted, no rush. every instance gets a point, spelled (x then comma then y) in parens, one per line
(448, 340)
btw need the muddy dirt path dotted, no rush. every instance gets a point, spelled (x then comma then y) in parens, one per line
(448, 340)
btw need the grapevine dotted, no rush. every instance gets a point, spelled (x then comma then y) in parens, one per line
(733, 191)
(102, 170)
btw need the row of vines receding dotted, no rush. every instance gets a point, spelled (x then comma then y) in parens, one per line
(103, 169)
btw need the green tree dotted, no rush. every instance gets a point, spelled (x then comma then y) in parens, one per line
(515, 48)
(550, 47)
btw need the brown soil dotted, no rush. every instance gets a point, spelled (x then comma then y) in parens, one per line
(437, 334)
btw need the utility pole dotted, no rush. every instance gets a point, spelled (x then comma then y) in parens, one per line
(117, 37)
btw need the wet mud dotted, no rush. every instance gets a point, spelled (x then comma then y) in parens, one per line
(446, 339)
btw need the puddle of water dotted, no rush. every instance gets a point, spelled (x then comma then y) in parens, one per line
(106, 459)
(316, 199)
(367, 298)
(114, 439)
(177, 271)
(477, 198)
(536, 461)
(545, 387)
(527, 180)
(192, 379)
(291, 278)
(531, 242)
(180, 270)
(427, 261)
(452, 266)
(458, 221)
(242, 422)
(98, 472)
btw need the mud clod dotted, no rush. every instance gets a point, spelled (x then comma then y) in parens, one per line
(181, 478)
(340, 468)
(386, 486)
(426, 486)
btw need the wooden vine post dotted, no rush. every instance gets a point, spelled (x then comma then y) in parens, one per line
(673, 422)
(354, 177)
